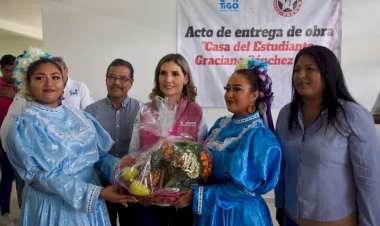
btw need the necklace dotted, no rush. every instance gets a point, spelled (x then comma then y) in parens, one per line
(243, 120)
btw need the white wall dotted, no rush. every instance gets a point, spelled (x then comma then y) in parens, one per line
(90, 36)
(361, 49)
(16, 44)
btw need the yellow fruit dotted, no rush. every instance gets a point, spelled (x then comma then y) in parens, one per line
(138, 188)
(129, 173)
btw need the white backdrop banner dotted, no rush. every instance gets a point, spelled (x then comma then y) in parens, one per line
(212, 35)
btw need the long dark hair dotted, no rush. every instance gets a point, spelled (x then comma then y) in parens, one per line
(335, 85)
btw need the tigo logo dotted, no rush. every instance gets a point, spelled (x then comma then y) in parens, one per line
(229, 5)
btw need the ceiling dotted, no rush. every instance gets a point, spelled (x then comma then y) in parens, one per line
(21, 18)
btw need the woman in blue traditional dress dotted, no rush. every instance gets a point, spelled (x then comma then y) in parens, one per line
(246, 155)
(58, 151)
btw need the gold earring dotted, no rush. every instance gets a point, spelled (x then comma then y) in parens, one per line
(251, 108)
(29, 97)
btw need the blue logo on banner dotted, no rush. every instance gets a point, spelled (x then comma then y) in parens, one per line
(229, 5)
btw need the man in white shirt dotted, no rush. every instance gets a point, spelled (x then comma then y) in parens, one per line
(75, 93)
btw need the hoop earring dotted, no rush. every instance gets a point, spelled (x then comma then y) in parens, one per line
(29, 97)
(251, 109)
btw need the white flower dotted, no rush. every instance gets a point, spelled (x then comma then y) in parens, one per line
(191, 165)
(22, 63)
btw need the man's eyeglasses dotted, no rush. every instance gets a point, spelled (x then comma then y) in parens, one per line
(122, 79)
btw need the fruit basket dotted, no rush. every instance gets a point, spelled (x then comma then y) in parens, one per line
(161, 174)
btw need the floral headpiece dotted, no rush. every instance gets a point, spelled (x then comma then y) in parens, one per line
(22, 63)
(265, 87)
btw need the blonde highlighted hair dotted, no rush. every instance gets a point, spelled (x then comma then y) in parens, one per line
(189, 89)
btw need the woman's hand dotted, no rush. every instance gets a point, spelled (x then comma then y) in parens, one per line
(110, 193)
(186, 199)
